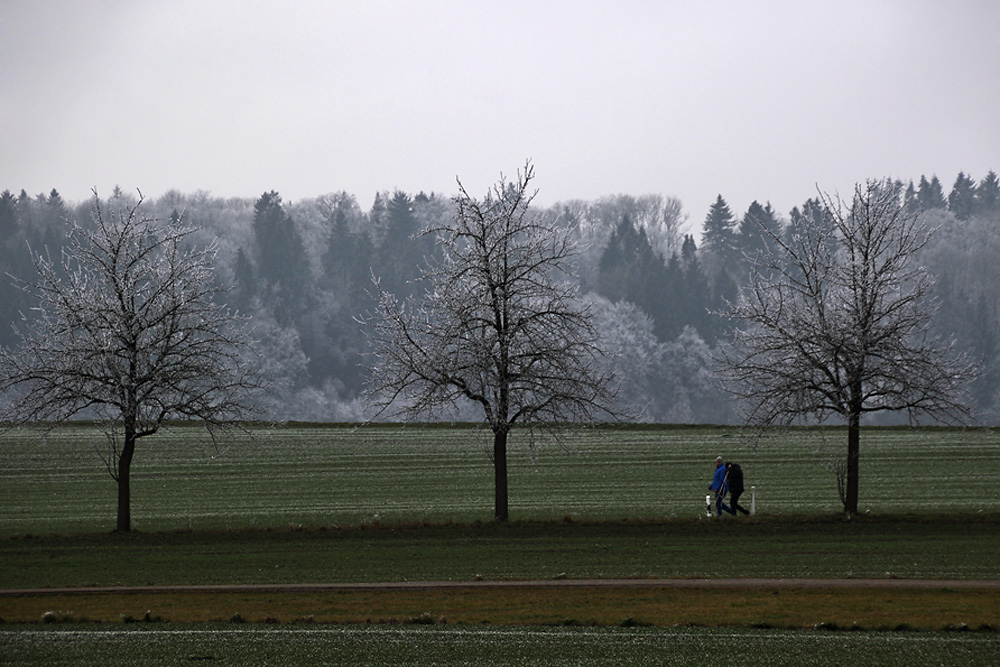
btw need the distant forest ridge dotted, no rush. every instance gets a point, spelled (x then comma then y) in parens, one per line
(303, 272)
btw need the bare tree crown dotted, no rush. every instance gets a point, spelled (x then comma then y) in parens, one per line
(126, 324)
(837, 320)
(501, 324)
(126, 330)
(501, 327)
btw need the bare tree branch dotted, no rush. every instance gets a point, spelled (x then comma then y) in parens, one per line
(837, 322)
(127, 332)
(501, 326)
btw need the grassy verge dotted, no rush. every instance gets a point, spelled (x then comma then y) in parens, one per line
(916, 547)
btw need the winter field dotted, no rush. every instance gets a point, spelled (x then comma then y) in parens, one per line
(327, 475)
(386, 646)
(324, 476)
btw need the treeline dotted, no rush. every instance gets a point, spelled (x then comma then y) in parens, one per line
(303, 271)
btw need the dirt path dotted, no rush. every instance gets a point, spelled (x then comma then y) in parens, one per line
(765, 583)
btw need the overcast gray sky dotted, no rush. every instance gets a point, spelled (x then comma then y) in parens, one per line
(751, 100)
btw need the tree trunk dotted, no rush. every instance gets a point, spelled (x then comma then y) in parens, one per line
(124, 489)
(500, 512)
(853, 468)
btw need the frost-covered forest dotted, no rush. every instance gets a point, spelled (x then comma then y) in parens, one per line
(303, 272)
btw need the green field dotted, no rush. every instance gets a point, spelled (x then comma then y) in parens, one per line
(387, 646)
(302, 504)
(349, 476)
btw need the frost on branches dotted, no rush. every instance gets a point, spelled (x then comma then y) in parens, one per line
(501, 327)
(836, 321)
(127, 331)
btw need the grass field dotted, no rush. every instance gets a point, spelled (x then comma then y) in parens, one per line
(385, 503)
(948, 547)
(327, 475)
(389, 646)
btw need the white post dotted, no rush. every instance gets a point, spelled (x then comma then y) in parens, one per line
(753, 500)
(708, 506)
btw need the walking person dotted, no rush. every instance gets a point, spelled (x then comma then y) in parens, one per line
(721, 486)
(734, 478)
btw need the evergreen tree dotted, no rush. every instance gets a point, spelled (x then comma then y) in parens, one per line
(962, 200)
(630, 270)
(719, 237)
(245, 279)
(758, 228)
(339, 259)
(671, 319)
(930, 195)
(28, 221)
(269, 224)
(429, 212)
(911, 203)
(15, 261)
(281, 257)
(401, 223)
(56, 205)
(625, 263)
(722, 294)
(402, 250)
(988, 196)
(50, 221)
(696, 293)
(8, 216)
(336, 345)
(612, 267)
(689, 250)
(376, 219)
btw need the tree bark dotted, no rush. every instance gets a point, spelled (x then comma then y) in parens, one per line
(124, 488)
(500, 511)
(853, 467)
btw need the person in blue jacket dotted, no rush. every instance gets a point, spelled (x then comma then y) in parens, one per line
(721, 487)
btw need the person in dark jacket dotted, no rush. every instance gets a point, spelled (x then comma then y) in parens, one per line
(734, 478)
(720, 485)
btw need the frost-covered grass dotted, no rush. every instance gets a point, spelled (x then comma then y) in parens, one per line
(385, 646)
(343, 475)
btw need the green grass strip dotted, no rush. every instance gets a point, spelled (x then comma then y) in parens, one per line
(909, 547)
(337, 475)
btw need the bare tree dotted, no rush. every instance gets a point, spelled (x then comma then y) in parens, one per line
(501, 326)
(836, 322)
(127, 332)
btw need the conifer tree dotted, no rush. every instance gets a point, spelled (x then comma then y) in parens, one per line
(930, 195)
(962, 199)
(758, 226)
(281, 258)
(719, 237)
(988, 195)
